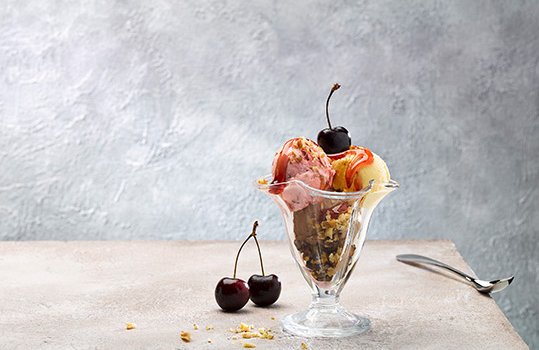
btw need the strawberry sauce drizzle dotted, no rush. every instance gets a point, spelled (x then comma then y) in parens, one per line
(281, 165)
(361, 158)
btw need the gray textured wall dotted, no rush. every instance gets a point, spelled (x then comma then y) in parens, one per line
(123, 120)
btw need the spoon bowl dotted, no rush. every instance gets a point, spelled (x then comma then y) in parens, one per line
(492, 286)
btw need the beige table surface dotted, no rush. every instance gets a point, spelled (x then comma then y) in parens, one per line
(79, 295)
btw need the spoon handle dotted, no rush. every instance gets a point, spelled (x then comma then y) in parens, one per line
(413, 258)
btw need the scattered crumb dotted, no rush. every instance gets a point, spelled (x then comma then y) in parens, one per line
(262, 181)
(130, 325)
(209, 340)
(195, 326)
(273, 317)
(248, 331)
(186, 336)
(209, 327)
(249, 345)
(265, 333)
(304, 346)
(234, 337)
(245, 327)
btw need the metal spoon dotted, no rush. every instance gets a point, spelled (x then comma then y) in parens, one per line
(480, 285)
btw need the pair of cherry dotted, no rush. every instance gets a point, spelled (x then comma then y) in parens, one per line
(233, 293)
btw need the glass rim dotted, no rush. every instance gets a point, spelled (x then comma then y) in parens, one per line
(390, 185)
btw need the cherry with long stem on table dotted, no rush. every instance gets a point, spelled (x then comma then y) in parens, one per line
(265, 289)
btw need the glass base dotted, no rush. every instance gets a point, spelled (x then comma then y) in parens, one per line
(331, 321)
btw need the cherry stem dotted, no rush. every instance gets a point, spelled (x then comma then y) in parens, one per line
(253, 234)
(334, 88)
(258, 246)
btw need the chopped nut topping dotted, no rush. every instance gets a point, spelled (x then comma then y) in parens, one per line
(304, 346)
(130, 326)
(185, 336)
(321, 231)
(249, 345)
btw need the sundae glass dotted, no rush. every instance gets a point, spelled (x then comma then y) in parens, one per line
(326, 238)
(326, 192)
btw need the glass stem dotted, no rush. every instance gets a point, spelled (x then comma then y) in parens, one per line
(325, 298)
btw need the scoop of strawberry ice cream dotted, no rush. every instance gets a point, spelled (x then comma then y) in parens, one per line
(303, 160)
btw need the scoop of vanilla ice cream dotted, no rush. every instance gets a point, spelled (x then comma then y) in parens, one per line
(372, 167)
(377, 171)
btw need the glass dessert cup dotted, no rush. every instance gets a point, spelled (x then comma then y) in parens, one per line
(326, 232)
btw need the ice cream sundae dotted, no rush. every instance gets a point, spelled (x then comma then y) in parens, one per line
(326, 191)
(301, 170)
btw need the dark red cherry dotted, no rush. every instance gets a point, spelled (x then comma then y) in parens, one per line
(231, 294)
(337, 139)
(265, 290)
